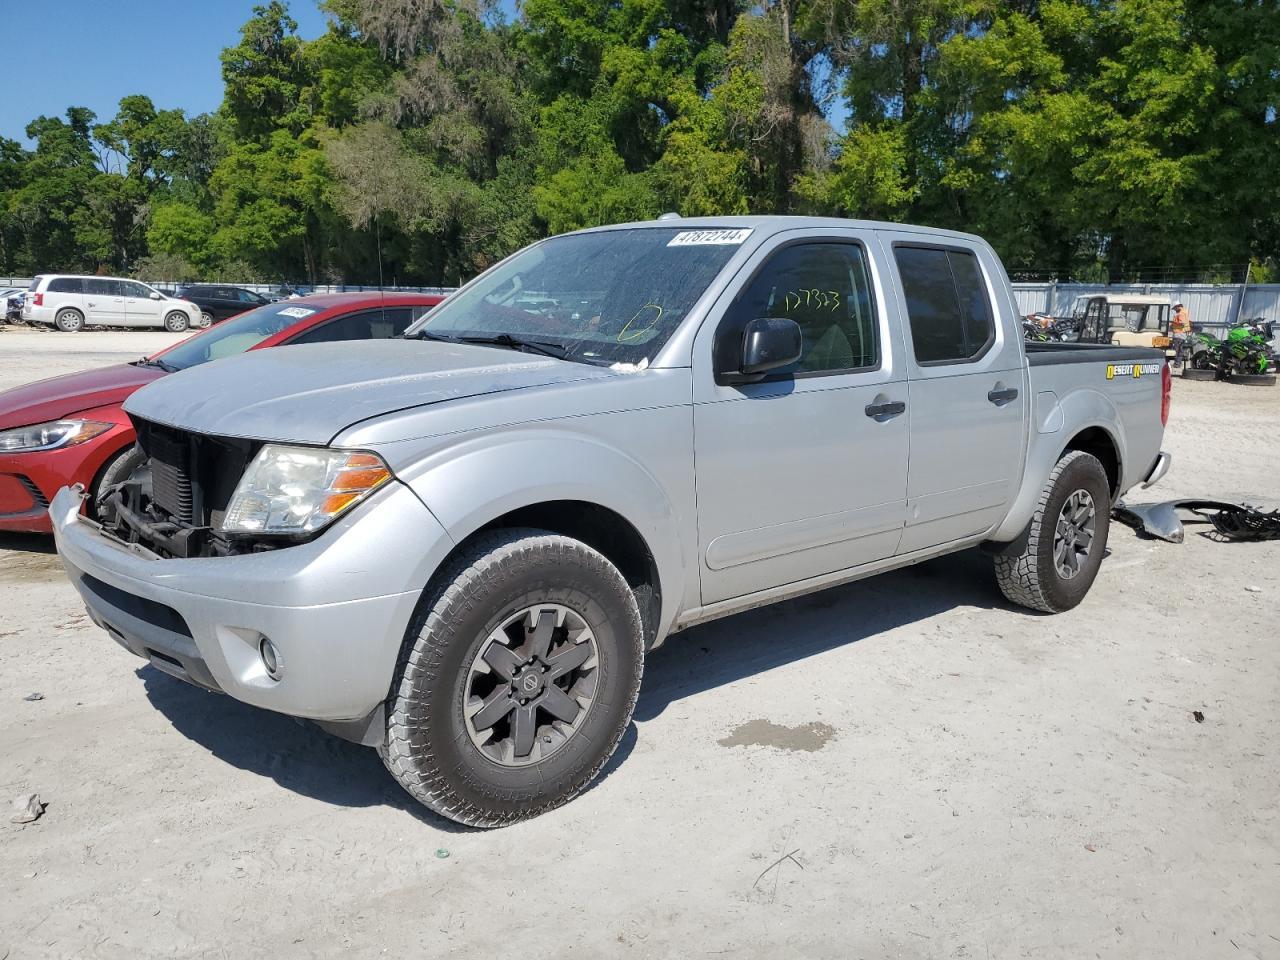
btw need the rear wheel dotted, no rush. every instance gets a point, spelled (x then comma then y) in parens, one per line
(176, 322)
(1065, 541)
(69, 320)
(1200, 360)
(517, 680)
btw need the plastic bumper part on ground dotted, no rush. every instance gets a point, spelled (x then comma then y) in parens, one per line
(335, 610)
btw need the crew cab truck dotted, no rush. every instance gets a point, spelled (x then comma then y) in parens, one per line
(458, 547)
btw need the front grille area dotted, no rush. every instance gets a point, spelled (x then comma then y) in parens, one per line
(174, 504)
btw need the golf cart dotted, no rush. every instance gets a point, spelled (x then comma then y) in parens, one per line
(1125, 319)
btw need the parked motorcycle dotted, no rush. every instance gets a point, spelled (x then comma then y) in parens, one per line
(1245, 349)
(1041, 328)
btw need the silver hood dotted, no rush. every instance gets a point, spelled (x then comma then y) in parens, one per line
(311, 393)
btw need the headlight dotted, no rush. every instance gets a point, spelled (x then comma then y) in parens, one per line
(301, 489)
(51, 436)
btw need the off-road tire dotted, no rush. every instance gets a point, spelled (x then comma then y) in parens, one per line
(1030, 578)
(176, 321)
(69, 320)
(427, 747)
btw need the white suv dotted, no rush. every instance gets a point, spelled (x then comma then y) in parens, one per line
(71, 303)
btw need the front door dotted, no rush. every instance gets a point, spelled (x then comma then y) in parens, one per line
(803, 473)
(141, 309)
(967, 399)
(104, 302)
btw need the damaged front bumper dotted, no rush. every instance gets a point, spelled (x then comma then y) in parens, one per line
(335, 609)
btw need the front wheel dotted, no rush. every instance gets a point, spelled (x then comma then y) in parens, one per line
(176, 322)
(1201, 361)
(517, 679)
(206, 320)
(1065, 540)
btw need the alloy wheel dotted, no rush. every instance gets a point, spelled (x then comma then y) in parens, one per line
(531, 684)
(1073, 535)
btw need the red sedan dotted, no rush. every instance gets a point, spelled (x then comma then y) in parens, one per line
(73, 428)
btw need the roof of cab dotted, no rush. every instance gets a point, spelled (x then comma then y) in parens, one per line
(780, 224)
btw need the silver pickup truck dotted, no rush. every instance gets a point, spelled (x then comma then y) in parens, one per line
(459, 546)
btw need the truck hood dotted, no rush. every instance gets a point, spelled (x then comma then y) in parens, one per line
(60, 397)
(311, 393)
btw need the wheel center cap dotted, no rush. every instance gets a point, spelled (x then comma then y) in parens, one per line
(527, 683)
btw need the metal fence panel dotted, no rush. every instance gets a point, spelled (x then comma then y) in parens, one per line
(1211, 305)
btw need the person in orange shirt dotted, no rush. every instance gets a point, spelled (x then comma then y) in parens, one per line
(1180, 327)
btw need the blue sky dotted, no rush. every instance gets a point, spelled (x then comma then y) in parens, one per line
(90, 53)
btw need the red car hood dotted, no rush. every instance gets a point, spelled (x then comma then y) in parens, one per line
(62, 396)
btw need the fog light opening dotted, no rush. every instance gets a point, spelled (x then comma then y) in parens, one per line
(271, 659)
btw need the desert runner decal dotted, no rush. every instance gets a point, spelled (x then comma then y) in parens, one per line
(712, 238)
(1131, 369)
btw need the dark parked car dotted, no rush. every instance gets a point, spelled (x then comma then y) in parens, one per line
(217, 302)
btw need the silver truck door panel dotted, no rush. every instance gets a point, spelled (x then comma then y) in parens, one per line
(967, 404)
(806, 474)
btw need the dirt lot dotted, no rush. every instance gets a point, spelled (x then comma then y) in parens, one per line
(905, 767)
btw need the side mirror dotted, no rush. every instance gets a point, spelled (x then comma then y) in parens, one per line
(767, 344)
(156, 296)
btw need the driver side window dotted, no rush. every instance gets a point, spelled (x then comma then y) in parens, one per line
(825, 288)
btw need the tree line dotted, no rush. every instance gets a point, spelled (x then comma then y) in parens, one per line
(418, 141)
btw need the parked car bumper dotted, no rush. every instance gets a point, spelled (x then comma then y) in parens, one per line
(335, 609)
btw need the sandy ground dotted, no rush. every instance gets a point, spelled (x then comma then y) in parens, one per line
(905, 767)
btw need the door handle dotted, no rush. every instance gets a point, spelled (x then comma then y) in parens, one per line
(1001, 397)
(880, 412)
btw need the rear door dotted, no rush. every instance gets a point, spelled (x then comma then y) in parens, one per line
(967, 398)
(803, 473)
(104, 302)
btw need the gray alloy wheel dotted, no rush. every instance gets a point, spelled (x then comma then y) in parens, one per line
(176, 321)
(531, 684)
(1073, 535)
(69, 321)
(206, 320)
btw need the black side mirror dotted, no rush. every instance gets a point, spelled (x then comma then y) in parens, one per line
(767, 344)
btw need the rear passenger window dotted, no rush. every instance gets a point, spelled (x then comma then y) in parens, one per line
(947, 304)
(371, 325)
(825, 289)
(65, 285)
(102, 287)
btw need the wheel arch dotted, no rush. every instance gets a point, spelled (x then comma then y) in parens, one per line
(1099, 442)
(568, 484)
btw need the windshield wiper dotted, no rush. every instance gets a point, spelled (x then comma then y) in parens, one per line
(155, 362)
(502, 340)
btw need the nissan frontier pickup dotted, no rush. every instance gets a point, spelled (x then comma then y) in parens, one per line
(458, 547)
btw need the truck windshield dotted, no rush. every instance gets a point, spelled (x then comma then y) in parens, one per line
(614, 296)
(235, 335)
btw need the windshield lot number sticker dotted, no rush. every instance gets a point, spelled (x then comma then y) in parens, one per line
(709, 238)
(298, 312)
(1131, 369)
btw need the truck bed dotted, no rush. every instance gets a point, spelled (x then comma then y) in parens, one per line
(1044, 353)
